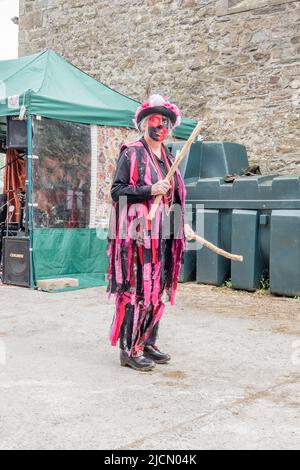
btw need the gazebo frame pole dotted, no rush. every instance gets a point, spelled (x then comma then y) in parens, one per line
(29, 197)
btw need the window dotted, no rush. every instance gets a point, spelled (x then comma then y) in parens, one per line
(61, 174)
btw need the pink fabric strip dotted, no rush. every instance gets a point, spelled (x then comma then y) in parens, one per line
(156, 284)
(147, 283)
(121, 302)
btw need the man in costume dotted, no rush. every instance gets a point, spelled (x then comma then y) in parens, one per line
(145, 258)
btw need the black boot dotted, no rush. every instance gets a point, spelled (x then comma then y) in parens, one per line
(140, 363)
(152, 352)
(127, 360)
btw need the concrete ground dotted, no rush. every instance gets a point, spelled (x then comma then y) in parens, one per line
(233, 382)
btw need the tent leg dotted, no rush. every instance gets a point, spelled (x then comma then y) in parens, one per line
(29, 198)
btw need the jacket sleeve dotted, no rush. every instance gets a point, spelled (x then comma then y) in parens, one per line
(121, 186)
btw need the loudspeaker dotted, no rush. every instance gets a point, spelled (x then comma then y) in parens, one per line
(16, 134)
(16, 261)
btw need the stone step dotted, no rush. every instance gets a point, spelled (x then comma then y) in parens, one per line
(57, 284)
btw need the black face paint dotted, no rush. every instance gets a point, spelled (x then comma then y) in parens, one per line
(157, 133)
(158, 127)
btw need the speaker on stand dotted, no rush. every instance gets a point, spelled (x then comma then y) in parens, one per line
(16, 134)
(16, 261)
(15, 239)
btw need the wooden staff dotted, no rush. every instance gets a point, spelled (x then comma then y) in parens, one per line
(175, 166)
(191, 235)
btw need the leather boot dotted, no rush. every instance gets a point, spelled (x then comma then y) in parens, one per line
(126, 329)
(127, 360)
(152, 352)
(140, 363)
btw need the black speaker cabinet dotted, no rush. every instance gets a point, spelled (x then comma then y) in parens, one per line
(16, 261)
(17, 134)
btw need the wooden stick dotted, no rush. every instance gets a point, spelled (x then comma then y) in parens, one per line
(175, 166)
(191, 235)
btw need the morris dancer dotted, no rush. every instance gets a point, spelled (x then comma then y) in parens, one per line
(144, 261)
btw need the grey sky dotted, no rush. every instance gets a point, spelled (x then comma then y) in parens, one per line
(8, 31)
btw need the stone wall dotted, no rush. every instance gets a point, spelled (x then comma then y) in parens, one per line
(232, 63)
(109, 142)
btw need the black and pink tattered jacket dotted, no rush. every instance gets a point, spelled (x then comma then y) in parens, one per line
(138, 272)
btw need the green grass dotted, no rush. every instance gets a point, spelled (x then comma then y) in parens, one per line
(228, 284)
(264, 284)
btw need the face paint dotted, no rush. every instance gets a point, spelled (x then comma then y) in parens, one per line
(158, 127)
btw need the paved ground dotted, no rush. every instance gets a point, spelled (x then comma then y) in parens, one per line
(233, 382)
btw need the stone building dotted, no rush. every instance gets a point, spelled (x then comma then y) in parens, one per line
(232, 63)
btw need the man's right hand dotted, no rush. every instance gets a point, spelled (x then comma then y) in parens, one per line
(160, 188)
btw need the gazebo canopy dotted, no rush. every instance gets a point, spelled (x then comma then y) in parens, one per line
(50, 86)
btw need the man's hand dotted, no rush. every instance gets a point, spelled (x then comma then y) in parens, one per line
(160, 188)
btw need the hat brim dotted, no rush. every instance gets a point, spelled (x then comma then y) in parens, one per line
(157, 110)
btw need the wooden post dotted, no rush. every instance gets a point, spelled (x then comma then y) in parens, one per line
(175, 166)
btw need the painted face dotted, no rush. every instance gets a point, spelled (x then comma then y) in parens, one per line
(158, 127)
